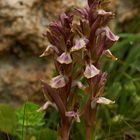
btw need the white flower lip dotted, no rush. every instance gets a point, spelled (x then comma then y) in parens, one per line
(103, 12)
(103, 100)
(64, 58)
(47, 51)
(46, 105)
(91, 71)
(58, 81)
(79, 44)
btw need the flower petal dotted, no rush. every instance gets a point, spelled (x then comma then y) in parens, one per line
(110, 35)
(58, 81)
(64, 58)
(104, 13)
(91, 71)
(49, 50)
(46, 105)
(70, 114)
(73, 114)
(102, 100)
(79, 45)
(110, 55)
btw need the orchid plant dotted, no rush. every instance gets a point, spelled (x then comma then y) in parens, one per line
(78, 41)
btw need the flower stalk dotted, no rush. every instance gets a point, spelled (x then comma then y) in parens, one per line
(77, 42)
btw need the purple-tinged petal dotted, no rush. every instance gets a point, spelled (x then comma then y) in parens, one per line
(79, 44)
(102, 100)
(64, 58)
(70, 114)
(110, 35)
(58, 81)
(110, 55)
(91, 71)
(49, 50)
(104, 13)
(73, 114)
(46, 105)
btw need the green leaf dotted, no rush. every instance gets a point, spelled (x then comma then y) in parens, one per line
(8, 119)
(28, 115)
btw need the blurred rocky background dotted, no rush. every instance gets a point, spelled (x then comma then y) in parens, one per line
(22, 23)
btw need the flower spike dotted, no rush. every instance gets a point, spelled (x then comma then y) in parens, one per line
(78, 40)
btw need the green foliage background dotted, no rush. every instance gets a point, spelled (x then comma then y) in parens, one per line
(120, 121)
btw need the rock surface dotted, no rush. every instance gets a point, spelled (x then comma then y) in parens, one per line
(22, 23)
